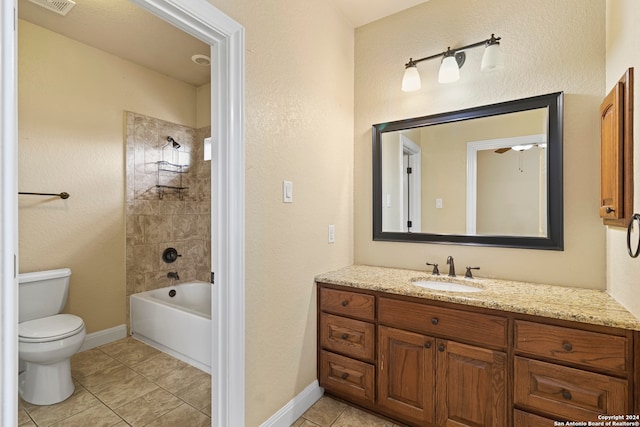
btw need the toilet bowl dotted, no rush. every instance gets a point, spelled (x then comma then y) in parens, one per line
(46, 339)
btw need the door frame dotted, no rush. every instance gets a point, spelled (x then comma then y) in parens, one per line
(205, 22)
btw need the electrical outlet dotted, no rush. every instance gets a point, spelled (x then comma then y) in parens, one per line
(332, 233)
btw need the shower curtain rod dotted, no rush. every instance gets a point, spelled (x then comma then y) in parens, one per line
(62, 195)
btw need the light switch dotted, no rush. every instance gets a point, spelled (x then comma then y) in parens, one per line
(438, 203)
(287, 192)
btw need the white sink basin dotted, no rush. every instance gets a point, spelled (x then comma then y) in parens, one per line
(445, 286)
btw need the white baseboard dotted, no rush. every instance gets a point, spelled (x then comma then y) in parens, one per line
(289, 413)
(105, 336)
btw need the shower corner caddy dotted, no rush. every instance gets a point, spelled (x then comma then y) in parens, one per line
(165, 166)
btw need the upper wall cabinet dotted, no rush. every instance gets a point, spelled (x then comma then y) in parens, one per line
(616, 153)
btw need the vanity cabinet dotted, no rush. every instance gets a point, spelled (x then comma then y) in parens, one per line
(569, 373)
(467, 382)
(347, 345)
(430, 363)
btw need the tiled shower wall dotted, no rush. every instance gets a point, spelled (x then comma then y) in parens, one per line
(178, 221)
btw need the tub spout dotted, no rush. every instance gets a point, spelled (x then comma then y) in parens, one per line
(173, 275)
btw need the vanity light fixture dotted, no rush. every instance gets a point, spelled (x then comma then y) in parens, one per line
(452, 61)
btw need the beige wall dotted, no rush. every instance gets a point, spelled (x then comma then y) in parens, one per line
(623, 34)
(72, 100)
(299, 127)
(548, 46)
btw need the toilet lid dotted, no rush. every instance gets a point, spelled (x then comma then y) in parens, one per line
(50, 328)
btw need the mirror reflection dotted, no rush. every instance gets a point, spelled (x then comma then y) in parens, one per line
(476, 176)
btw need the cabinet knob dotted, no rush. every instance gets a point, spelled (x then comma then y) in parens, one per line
(609, 209)
(344, 303)
(427, 345)
(345, 336)
(344, 376)
(566, 394)
(567, 346)
(441, 347)
(434, 321)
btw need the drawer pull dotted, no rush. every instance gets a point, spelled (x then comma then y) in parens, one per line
(345, 303)
(427, 345)
(345, 336)
(441, 347)
(344, 376)
(567, 346)
(434, 321)
(566, 395)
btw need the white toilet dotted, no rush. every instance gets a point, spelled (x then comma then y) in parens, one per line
(47, 339)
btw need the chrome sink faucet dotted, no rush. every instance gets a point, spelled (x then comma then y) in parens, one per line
(452, 268)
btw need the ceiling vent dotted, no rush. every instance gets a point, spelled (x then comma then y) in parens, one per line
(58, 6)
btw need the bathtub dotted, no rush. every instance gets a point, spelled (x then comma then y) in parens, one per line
(176, 320)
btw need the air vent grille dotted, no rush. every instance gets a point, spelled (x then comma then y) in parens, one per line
(59, 6)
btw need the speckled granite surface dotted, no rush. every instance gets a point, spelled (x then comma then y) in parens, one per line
(557, 302)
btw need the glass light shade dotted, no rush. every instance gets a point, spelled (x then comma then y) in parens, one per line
(449, 71)
(522, 147)
(492, 58)
(411, 79)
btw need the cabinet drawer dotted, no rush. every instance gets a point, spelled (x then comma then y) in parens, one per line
(525, 419)
(590, 349)
(347, 336)
(568, 393)
(480, 328)
(351, 379)
(348, 303)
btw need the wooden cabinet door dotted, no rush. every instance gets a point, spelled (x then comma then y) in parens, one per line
(406, 382)
(471, 385)
(611, 151)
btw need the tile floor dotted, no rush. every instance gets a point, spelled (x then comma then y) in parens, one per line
(128, 383)
(328, 412)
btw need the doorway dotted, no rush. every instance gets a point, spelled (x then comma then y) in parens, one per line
(226, 38)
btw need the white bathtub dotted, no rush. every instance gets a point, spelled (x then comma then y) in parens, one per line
(179, 325)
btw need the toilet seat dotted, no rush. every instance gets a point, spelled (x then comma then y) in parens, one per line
(51, 328)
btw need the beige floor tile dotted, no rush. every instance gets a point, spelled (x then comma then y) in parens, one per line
(97, 416)
(198, 392)
(129, 351)
(324, 412)
(147, 408)
(125, 390)
(89, 362)
(304, 423)
(183, 415)
(79, 401)
(352, 417)
(107, 378)
(23, 418)
(157, 366)
(181, 378)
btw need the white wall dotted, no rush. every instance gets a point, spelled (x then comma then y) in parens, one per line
(299, 127)
(623, 34)
(548, 46)
(71, 104)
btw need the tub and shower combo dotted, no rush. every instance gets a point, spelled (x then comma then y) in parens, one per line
(176, 320)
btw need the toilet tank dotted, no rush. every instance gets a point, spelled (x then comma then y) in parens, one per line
(42, 293)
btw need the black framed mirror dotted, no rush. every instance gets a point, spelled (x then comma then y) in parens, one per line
(488, 175)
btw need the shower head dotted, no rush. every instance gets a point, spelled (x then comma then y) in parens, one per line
(173, 142)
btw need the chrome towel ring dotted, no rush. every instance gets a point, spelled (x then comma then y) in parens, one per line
(636, 252)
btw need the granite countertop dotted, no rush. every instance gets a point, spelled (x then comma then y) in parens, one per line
(557, 302)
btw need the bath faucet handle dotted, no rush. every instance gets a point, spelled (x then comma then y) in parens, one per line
(435, 272)
(468, 273)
